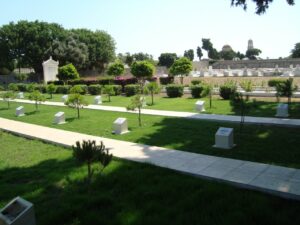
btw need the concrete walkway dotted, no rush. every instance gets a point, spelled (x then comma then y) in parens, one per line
(276, 180)
(188, 115)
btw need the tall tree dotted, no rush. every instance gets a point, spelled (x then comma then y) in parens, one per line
(189, 54)
(199, 53)
(116, 69)
(181, 67)
(261, 5)
(140, 56)
(253, 53)
(211, 51)
(296, 51)
(167, 59)
(142, 70)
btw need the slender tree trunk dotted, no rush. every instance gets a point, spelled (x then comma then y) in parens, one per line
(140, 120)
(51, 95)
(152, 101)
(8, 105)
(210, 100)
(78, 114)
(36, 106)
(108, 97)
(181, 80)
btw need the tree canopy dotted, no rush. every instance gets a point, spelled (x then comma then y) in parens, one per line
(167, 59)
(142, 69)
(296, 51)
(181, 67)
(261, 5)
(199, 53)
(116, 69)
(67, 72)
(253, 53)
(189, 54)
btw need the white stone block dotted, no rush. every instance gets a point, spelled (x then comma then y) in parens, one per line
(224, 138)
(120, 126)
(59, 118)
(20, 95)
(200, 106)
(20, 111)
(282, 110)
(64, 98)
(297, 71)
(18, 212)
(143, 100)
(98, 100)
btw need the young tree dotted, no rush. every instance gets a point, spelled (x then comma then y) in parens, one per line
(142, 70)
(7, 96)
(38, 97)
(109, 91)
(51, 88)
(199, 53)
(247, 85)
(152, 88)
(116, 69)
(189, 54)
(237, 100)
(67, 72)
(76, 100)
(181, 67)
(286, 89)
(167, 59)
(88, 152)
(137, 103)
(13, 87)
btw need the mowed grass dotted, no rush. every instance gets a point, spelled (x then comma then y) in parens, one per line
(267, 144)
(126, 193)
(258, 107)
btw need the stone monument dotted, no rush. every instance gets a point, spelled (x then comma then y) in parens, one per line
(224, 138)
(50, 68)
(282, 110)
(20, 95)
(98, 100)
(200, 106)
(59, 118)
(120, 126)
(64, 98)
(20, 111)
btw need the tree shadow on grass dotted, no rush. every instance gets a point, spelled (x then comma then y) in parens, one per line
(71, 119)
(31, 113)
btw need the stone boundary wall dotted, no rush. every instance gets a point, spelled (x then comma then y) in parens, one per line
(268, 63)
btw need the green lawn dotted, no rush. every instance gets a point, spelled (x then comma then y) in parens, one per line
(257, 143)
(126, 193)
(187, 104)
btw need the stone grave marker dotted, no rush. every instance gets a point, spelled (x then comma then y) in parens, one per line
(20, 111)
(120, 126)
(200, 106)
(64, 98)
(98, 100)
(224, 138)
(59, 118)
(20, 95)
(282, 110)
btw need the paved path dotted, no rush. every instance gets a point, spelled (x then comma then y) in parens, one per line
(189, 115)
(276, 180)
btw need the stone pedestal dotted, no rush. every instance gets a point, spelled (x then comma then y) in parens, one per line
(224, 138)
(282, 110)
(59, 118)
(200, 106)
(20, 95)
(98, 100)
(20, 111)
(18, 212)
(120, 126)
(64, 98)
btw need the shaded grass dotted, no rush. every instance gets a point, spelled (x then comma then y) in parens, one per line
(273, 145)
(127, 192)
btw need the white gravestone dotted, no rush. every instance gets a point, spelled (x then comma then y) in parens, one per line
(20, 111)
(200, 106)
(64, 98)
(98, 100)
(20, 95)
(18, 212)
(50, 68)
(143, 100)
(224, 138)
(59, 118)
(282, 110)
(297, 71)
(120, 126)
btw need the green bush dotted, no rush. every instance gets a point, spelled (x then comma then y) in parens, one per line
(22, 87)
(41, 87)
(94, 89)
(13, 87)
(227, 89)
(117, 89)
(31, 87)
(197, 90)
(106, 80)
(63, 89)
(131, 89)
(67, 72)
(195, 82)
(174, 90)
(275, 82)
(1, 88)
(83, 87)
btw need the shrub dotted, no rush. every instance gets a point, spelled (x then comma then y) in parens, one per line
(56, 82)
(31, 87)
(1, 88)
(166, 80)
(22, 87)
(195, 82)
(94, 89)
(13, 87)
(51, 88)
(275, 82)
(117, 89)
(227, 89)
(196, 90)
(40, 87)
(84, 88)
(131, 89)
(67, 72)
(106, 80)
(63, 89)
(174, 90)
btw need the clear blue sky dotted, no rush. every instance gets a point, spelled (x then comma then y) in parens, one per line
(156, 26)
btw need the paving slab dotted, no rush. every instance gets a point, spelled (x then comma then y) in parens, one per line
(277, 180)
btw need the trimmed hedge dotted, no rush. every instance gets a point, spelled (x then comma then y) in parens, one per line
(166, 80)
(227, 90)
(195, 82)
(275, 82)
(196, 91)
(22, 87)
(63, 89)
(131, 89)
(117, 89)
(94, 89)
(174, 90)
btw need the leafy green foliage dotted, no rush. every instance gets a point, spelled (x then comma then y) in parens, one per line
(76, 100)
(51, 89)
(109, 91)
(67, 72)
(227, 55)
(13, 87)
(94, 89)
(152, 88)
(196, 90)
(38, 97)
(116, 69)
(228, 89)
(167, 59)
(142, 69)
(208, 46)
(199, 53)
(286, 89)
(296, 51)
(31, 87)
(189, 54)
(21, 77)
(174, 90)
(253, 53)
(137, 103)
(247, 85)
(63, 89)
(131, 89)
(7, 96)
(181, 67)
(88, 152)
